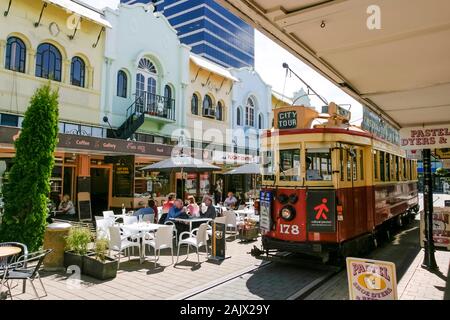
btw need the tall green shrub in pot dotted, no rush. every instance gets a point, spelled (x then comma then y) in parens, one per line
(25, 195)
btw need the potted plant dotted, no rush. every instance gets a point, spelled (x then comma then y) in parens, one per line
(76, 246)
(99, 265)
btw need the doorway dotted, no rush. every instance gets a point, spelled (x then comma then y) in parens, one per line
(100, 190)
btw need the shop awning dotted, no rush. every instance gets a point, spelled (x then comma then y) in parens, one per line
(392, 56)
(214, 68)
(250, 168)
(85, 12)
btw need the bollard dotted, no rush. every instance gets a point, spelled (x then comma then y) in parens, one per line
(54, 238)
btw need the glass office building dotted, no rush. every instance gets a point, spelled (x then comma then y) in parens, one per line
(209, 29)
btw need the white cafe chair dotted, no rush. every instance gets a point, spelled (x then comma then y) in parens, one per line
(161, 240)
(175, 231)
(197, 238)
(231, 218)
(102, 228)
(117, 242)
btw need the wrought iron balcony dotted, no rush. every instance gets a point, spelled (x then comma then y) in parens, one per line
(155, 105)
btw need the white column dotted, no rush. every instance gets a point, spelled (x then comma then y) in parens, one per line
(2, 53)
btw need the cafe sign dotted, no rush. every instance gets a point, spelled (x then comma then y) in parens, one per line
(429, 137)
(371, 279)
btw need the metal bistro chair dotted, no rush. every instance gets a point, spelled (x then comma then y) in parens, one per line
(5, 261)
(27, 268)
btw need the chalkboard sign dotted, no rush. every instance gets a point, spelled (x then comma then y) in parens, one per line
(287, 120)
(124, 176)
(84, 206)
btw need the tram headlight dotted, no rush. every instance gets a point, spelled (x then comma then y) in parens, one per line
(287, 213)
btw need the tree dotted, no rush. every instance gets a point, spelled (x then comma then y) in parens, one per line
(28, 186)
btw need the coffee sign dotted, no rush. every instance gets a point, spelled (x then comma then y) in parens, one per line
(287, 120)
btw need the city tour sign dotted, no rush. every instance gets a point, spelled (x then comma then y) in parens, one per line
(371, 279)
(428, 137)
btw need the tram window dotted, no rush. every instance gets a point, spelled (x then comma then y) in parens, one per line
(341, 163)
(318, 162)
(349, 167)
(355, 166)
(268, 167)
(382, 168)
(388, 167)
(290, 165)
(404, 168)
(361, 164)
(397, 168)
(375, 165)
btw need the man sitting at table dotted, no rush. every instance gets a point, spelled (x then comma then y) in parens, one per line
(210, 211)
(230, 202)
(145, 209)
(177, 211)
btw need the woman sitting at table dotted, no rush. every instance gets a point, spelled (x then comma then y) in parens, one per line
(168, 204)
(210, 211)
(193, 208)
(66, 206)
(152, 204)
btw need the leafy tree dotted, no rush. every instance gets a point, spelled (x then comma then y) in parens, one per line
(25, 194)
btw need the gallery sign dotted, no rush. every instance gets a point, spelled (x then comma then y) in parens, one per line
(429, 137)
(371, 279)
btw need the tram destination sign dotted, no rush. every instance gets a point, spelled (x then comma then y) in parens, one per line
(428, 137)
(371, 279)
(287, 119)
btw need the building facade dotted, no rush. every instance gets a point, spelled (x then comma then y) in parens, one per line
(210, 30)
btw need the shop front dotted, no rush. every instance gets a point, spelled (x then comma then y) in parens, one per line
(107, 169)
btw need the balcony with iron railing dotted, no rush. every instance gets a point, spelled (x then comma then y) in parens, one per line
(153, 105)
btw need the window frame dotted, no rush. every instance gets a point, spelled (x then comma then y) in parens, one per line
(124, 87)
(22, 48)
(44, 54)
(80, 60)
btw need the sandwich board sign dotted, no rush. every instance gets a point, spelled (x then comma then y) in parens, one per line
(371, 279)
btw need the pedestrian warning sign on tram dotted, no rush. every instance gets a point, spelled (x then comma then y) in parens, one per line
(321, 210)
(371, 279)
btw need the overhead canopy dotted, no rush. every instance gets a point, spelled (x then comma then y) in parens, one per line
(401, 71)
(210, 66)
(83, 11)
(249, 168)
(180, 163)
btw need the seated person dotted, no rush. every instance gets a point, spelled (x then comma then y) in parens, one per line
(230, 201)
(193, 208)
(210, 211)
(66, 206)
(169, 203)
(177, 211)
(144, 210)
(152, 204)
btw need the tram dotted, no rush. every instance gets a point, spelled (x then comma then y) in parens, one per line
(329, 188)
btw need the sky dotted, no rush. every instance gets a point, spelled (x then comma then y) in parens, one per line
(269, 57)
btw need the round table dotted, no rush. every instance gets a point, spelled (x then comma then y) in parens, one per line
(9, 251)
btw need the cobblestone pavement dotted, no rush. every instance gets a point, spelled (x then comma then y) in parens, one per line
(143, 281)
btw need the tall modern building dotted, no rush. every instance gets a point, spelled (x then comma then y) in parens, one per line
(210, 30)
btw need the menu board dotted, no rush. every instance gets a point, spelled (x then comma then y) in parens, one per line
(123, 176)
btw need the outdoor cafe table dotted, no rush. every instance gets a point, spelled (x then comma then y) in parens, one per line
(245, 212)
(190, 221)
(5, 252)
(140, 229)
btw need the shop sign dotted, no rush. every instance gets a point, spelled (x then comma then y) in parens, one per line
(233, 158)
(371, 279)
(374, 124)
(414, 154)
(321, 210)
(265, 212)
(429, 137)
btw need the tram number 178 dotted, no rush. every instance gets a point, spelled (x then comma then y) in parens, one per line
(289, 229)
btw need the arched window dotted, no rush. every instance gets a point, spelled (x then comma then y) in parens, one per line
(239, 117)
(219, 111)
(48, 62)
(250, 113)
(168, 95)
(122, 84)
(194, 104)
(260, 121)
(207, 106)
(15, 54)
(77, 72)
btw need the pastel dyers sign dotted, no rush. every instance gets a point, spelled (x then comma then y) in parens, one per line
(371, 279)
(429, 137)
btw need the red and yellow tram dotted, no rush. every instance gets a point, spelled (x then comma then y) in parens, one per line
(329, 187)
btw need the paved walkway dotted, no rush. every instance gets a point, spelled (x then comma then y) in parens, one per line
(143, 281)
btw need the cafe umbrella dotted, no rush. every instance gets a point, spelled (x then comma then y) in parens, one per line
(181, 164)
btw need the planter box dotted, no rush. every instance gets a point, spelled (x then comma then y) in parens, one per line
(100, 270)
(71, 258)
(248, 234)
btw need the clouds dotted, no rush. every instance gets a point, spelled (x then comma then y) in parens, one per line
(269, 58)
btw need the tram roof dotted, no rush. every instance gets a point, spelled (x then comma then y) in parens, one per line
(401, 71)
